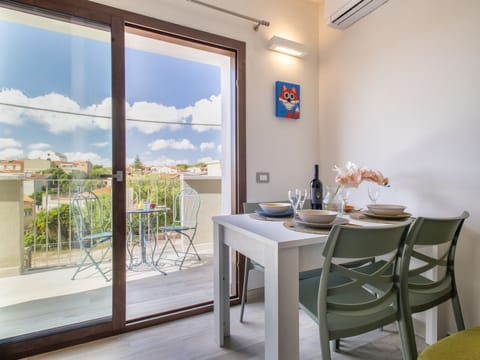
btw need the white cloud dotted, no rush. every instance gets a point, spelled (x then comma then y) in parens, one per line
(204, 111)
(204, 159)
(36, 154)
(40, 146)
(161, 144)
(166, 161)
(90, 156)
(207, 111)
(219, 148)
(153, 112)
(11, 153)
(101, 144)
(55, 122)
(9, 143)
(207, 146)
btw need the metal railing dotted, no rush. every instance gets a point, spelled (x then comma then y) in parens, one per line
(49, 228)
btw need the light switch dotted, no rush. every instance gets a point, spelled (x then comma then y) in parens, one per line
(263, 177)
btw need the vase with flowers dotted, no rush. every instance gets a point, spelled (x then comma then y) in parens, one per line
(350, 176)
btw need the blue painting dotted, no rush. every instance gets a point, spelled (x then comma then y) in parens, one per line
(287, 100)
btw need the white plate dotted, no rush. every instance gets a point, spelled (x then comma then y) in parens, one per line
(404, 215)
(386, 209)
(317, 216)
(337, 221)
(274, 207)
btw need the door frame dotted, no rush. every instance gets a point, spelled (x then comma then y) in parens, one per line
(117, 20)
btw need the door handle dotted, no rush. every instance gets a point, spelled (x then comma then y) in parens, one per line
(118, 176)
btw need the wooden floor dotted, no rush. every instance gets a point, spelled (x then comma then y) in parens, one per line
(51, 299)
(192, 339)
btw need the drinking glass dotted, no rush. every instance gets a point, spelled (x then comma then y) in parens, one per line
(374, 193)
(293, 198)
(344, 194)
(302, 196)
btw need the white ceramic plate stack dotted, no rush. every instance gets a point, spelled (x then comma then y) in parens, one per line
(275, 208)
(318, 218)
(387, 211)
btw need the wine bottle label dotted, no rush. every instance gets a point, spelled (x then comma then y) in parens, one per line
(316, 196)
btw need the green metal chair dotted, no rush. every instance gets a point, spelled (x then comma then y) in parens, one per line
(185, 219)
(92, 231)
(346, 302)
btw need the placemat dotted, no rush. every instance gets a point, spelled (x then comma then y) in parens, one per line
(363, 217)
(290, 226)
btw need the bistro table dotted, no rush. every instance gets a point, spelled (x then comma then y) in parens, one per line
(147, 221)
(283, 253)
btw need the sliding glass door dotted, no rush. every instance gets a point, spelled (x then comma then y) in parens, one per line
(178, 117)
(100, 155)
(55, 157)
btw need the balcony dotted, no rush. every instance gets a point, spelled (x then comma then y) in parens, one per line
(40, 254)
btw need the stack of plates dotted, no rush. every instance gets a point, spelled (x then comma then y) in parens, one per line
(275, 209)
(387, 211)
(318, 218)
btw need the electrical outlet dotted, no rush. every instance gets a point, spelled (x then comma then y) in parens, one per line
(263, 177)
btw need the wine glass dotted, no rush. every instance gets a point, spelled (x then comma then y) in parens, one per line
(374, 193)
(302, 196)
(344, 193)
(293, 198)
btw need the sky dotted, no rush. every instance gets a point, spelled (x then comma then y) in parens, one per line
(46, 69)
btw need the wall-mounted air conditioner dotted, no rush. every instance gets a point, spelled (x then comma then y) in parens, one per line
(340, 14)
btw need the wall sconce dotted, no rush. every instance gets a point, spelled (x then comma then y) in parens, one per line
(286, 46)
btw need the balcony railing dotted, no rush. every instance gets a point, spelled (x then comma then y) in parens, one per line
(48, 225)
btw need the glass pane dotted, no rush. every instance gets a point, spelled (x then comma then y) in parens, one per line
(55, 142)
(178, 134)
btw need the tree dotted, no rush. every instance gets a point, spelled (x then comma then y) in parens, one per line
(137, 164)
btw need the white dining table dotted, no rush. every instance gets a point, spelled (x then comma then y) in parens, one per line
(283, 253)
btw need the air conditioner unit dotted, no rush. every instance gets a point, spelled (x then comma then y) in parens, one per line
(340, 14)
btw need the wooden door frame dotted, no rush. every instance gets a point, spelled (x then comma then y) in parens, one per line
(117, 19)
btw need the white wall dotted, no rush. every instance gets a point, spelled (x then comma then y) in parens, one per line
(399, 91)
(287, 149)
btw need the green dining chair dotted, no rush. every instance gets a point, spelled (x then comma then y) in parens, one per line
(345, 302)
(424, 293)
(251, 207)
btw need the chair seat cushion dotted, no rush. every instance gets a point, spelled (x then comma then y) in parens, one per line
(463, 345)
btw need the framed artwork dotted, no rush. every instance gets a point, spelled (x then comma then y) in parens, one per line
(287, 100)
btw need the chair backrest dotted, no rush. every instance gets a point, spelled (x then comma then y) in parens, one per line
(88, 215)
(186, 207)
(350, 242)
(427, 232)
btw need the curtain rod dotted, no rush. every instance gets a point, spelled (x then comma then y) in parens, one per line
(257, 21)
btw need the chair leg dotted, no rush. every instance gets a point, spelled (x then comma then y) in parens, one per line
(245, 287)
(190, 245)
(407, 336)
(93, 262)
(168, 241)
(457, 312)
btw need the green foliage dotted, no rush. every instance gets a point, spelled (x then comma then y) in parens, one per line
(49, 225)
(137, 163)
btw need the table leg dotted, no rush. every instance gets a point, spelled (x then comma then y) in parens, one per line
(221, 298)
(281, 305)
